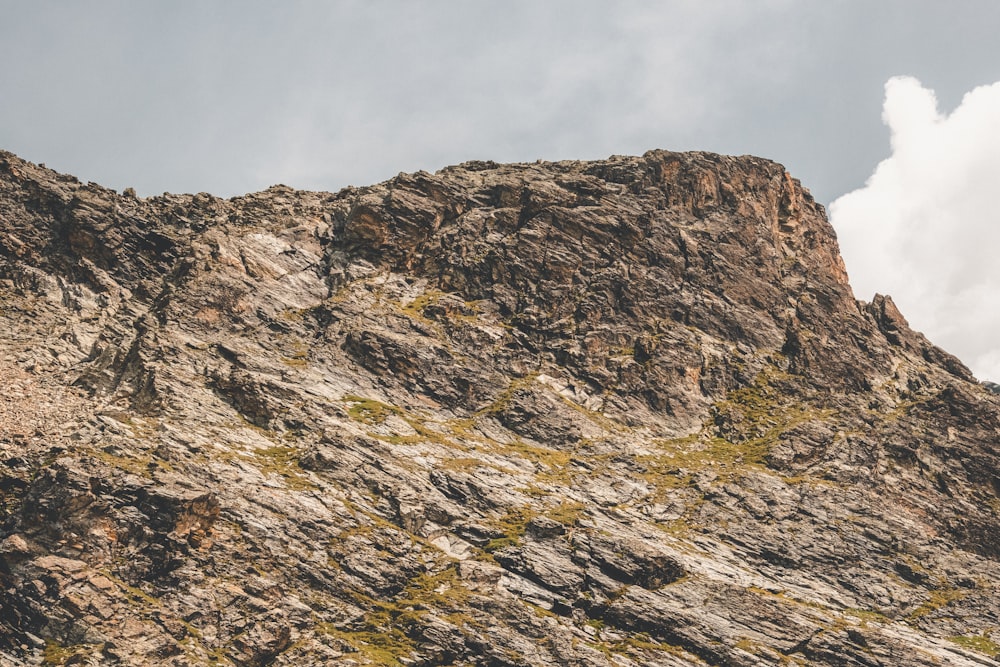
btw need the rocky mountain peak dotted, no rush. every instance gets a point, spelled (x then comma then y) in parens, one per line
(619, 412)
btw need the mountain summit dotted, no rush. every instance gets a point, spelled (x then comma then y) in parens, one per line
(624, 412)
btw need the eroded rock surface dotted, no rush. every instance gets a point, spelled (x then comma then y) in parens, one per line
(624, 412)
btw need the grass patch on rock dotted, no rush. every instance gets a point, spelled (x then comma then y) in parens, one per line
(938, 598)
(512, 526)
(383, 636)
(283, 462)
(980, 643)
(370, 411)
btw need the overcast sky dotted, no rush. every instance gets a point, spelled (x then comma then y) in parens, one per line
(234, 96)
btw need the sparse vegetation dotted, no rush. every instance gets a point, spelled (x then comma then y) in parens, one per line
(375, 413)
(744, 428)
(598, 418)
(298, 357)
(567, 512)
(980, 643)
(382, 637)
(284, 462)
(867, 616)
(55, 653)
(370, 411)
(512, 524)
(415, 308)
(938, 598)
(504, 399)
(554, 460)
(140, 464)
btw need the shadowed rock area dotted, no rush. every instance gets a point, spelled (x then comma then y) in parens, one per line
(614, 413)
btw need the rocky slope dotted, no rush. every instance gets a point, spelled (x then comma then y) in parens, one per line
(623, 413)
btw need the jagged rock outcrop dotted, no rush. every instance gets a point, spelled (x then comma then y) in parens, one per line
(624, 412)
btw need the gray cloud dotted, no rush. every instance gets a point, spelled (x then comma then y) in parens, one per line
(231, 96)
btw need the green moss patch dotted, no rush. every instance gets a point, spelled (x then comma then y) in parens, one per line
(370, 411)
(979, 643)
(284, 462)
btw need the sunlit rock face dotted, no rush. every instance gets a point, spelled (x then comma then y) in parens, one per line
(624, 412)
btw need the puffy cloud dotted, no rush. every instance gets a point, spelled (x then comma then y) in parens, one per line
(925, 228)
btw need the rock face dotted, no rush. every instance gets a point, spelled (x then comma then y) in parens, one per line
(623, 413)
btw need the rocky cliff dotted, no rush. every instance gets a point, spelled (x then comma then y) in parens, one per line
(624, 412)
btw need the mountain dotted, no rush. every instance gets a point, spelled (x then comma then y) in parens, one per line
(624, 412)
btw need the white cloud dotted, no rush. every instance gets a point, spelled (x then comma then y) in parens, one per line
(925, 228)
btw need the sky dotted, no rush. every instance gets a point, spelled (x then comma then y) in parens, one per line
(232, 96)
(928, 218)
